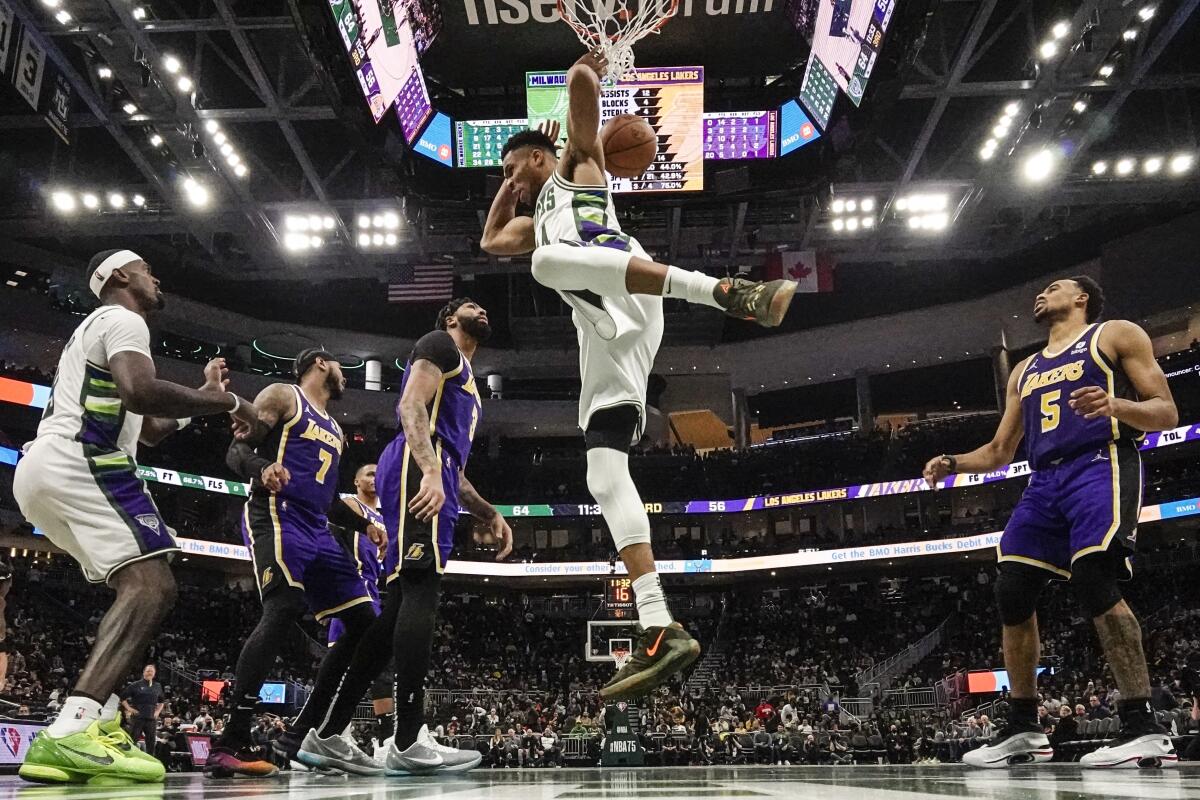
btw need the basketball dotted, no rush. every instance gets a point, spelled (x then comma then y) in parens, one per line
(629, 145)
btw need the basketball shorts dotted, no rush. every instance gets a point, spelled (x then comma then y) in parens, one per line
(366, 560)
(413, 543)
(291, 545)
(1085, 504)
(90, 502)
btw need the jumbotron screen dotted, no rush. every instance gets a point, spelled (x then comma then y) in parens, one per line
(481, 140)
(671, 99)
(847, 39)
(740, 134)
(384, 55)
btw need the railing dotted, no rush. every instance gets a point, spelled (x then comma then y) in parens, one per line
(575, 745)
(920, 697)
(885, 670)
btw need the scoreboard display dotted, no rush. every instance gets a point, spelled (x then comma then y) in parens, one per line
(795, 128)
(384, 55)
(618, 594)
(671, 99)
(740, 134)
(818, 92)
(480, 140)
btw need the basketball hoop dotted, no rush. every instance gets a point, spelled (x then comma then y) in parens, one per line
(613, 27)
(620, 657)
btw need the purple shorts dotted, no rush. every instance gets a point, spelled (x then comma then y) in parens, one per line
(291, 545)
(1088, 503)
(413, 544)
(366, 560)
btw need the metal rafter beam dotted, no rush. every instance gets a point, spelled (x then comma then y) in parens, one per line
(12, 122)
(164, 26)
(1017, 89)
(169, 194)
(958, 71)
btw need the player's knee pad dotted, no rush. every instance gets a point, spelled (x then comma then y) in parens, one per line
(1017, 592)
(609, 482)
(1095, 584)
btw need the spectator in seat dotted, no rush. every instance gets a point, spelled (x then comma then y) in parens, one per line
(810, 752)
(550, 745)
(1064, 729)
(1098, 710)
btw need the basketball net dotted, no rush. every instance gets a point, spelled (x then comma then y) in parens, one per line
(614, 26)
(621, 658)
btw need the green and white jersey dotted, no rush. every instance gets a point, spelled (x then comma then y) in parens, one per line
(84, 404)
(575, 213)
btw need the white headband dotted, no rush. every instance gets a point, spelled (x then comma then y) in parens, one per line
(121, 258)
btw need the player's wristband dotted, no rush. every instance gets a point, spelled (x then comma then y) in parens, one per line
(237, 402)
(183, 423)
(951, 462)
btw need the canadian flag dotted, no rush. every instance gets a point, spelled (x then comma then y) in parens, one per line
(813, 271)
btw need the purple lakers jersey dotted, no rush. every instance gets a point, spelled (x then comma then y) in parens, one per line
(456, 407)
(309, 445)
(1052, 428)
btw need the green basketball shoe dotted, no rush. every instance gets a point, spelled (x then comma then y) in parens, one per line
(120, 739)
(85, 757)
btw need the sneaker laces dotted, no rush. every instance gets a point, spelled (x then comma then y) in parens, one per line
(434, 744)
(355, 750)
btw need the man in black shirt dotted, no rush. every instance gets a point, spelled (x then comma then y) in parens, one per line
(143, 702)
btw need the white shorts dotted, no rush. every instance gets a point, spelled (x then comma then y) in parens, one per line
(615, 371)
(92, 504)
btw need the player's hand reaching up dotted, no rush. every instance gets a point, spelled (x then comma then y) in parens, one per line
(1092, 402)
(430, 499)
(502, 533)
(275, 476)
(551, 127)
(595, 61)
(216, 376)
(936, 468)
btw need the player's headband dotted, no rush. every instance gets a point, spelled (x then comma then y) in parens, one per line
(119, 259)
(309, 357)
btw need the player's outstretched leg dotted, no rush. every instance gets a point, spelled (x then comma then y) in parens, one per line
(610, 272)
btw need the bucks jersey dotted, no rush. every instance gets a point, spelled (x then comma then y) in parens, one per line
(309, 445)
(618, 335)
(84, 403)
(1053, 430)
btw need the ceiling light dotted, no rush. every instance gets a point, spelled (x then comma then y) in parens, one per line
(838, 206)
(1080, 106)
(116, 200)
(90, 200)
(364, 240)
(212, 127)
(314, 222)
(1181, 163)
(63, 17)
(1106, 71)
(139, 13)
(1099, 167)
(197, 194)
(391, 239)
(219, 138)
(296, 241)
(233, 159)
(1060, 29)
(986, 153)
(1130, 34)
(851, 206)
(315, 242)
(839, 224)
(139, 200)
(1047, 51)
(1152, 165)
(377, 239)
(1001, 130)
(63, 201)
(240, 170)
(51, 3)
(226, 149)
(171, 64)
(1125, 166)
(364, 221)
(1038, 166)
(867, 204)
(937, 222)
(868, 222)
(1146, 13)
(937, 202)
(295, 223)
(852, 224)
(104, 73)
(377, 220)
(328, 223)
(184, 84)
(1012, 109)
(129, 108)
(915, 222)
(155, 140)
(391, 220)
(902, 204)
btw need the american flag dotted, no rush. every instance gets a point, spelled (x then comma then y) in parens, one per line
(421, 284)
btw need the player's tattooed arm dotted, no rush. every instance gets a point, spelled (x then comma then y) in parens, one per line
(424, 377)
(274, 403)
(484, 511)
(1154, 409)
(996, 453)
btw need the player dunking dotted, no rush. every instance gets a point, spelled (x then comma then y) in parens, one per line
(291, 459)
(422, 486)
(615, 292)
(78, 483)
(1080, 405)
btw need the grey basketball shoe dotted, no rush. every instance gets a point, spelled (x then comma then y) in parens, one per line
(426, 756)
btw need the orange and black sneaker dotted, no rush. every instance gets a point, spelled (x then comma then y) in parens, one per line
(763, 302)
(661, 652)
(241, 762)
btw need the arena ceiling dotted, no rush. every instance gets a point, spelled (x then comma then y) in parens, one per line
(272, 78)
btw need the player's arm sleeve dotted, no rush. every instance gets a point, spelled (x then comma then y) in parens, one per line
(343, 516)
(123, 331)
(438, 348)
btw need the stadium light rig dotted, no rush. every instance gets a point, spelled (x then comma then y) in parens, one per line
(924, 212)
(67, 202)
(1000, 130)
(852, 214)
(224, 146)
(1151, 166)
(377, 229)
